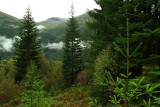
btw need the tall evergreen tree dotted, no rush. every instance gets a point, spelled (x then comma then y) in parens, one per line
(27, 46)
(104, 26)
(72, 56)
(109, 24)
(144, 27)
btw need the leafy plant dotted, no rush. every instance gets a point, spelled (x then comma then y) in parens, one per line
(93, 103)
(104, 63)
(147, 104)
(34, 94)
(157, 101)
(137, 88)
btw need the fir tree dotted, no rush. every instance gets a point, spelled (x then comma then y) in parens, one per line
(109, 24)
(34, 85)
(144, 27)
(27, 46)
(72, 56)
(104, 26)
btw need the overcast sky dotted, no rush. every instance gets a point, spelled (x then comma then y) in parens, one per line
(43, 9)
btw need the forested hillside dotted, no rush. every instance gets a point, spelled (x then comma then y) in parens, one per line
(107, 57)
(51, 32)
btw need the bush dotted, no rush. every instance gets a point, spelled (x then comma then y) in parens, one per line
(139, 89)
(9, 90)
(84, 77)
(54, 80)
(6, 69)
(33, 96)
(45, 65)
(105, 63)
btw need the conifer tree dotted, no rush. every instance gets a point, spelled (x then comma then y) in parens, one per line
(104, 26)
(27, 46)
(144, 27)
(72, 56)
(109, 24)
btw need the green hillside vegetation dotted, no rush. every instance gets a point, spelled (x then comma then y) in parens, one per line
(54, 20)
(54, 32)
(8, 19)
(120, 67)
(8, 25)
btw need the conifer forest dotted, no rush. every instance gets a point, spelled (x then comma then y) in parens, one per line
(106, 57)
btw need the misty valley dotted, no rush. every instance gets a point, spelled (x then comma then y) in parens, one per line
(106, 57)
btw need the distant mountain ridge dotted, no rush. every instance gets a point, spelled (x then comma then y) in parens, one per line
(53, 28)
(52, 20)
(8, 25)
(8, 19)
(52, 31)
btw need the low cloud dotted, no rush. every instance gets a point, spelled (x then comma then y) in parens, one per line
(86, 44)
(40, 27)
(59, 45)
(6, 43)
(54, 45)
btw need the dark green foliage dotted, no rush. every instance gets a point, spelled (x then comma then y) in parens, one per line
(109, 24)
(103, 24)
(143, 23)
(54, 54)
(72, 56)
(152, 74)
(27, 46)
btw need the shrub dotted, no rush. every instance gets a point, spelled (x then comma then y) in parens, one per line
(34, 95)
(105, 63)
(45, 65)
(84, 77)
(6, 69)
(9, 90)
(54, 80)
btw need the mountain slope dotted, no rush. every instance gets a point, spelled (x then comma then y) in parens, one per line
(8, 25)
(52, 20)
(8, 19)
(54, 32)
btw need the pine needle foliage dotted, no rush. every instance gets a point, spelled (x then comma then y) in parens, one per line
(27, 46)
(72, 51)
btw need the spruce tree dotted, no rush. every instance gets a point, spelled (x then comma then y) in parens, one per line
(72, 51)
(103, 25)
(109, 24)
(26, 47)
(144, 27)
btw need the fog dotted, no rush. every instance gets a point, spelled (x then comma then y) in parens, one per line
(54, 45)
(6, 43)
(40, 27)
